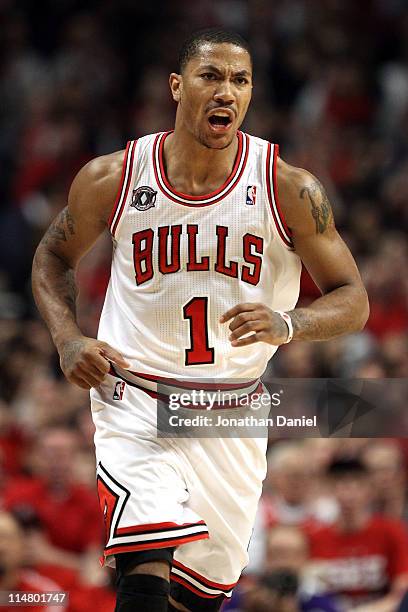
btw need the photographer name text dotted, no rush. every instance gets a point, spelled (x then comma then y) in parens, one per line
(218, 420)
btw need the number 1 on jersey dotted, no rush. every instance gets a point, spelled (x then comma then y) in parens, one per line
(196, 311)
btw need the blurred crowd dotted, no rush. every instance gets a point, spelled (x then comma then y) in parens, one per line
(77, 80)
(331, 533)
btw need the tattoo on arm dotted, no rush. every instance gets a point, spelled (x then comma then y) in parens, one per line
(60, 276)
(61, 228)
(68, 290)
(320, 205)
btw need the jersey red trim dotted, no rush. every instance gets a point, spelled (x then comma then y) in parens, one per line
(200, 200)
(163, 543)
(155, 527)
(275, 189)
(272, 190)
(191, 385)
(216, 406)
(113, 498)
(124, 185)
(122, 178)
(190, 587)
(203, 579)
(183, 384)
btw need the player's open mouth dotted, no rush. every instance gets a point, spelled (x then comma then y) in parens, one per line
(220, 121)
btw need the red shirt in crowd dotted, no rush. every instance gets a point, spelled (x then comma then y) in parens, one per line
(82, 598)
(71, 520)
(13, 445)
(273, 514)
(361, 565)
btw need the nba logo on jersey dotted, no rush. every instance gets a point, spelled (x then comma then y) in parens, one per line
(251, 195)
(119, 390)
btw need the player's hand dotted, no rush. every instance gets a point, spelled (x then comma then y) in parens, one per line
(86, 361)
(265, 325)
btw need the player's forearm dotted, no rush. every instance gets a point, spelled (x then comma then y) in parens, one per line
(341, 311)
(55, 294)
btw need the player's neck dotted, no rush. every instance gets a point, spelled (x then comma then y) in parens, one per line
(193, 168)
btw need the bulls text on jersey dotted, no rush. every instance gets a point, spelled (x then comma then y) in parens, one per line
(143, 243)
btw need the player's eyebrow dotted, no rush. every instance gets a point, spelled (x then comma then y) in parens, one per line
(212, 68)
(242, 73)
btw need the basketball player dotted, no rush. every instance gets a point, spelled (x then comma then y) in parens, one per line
(209, 230)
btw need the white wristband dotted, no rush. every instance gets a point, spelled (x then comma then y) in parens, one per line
(288, 322)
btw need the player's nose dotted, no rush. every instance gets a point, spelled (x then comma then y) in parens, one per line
(224, 93)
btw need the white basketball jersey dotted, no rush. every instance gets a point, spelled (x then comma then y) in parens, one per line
(181, 261)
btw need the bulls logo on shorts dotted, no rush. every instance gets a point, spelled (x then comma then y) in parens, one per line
(143, 198)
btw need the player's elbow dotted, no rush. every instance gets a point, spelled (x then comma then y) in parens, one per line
(361, 308)
(45, 255)
(39, 259)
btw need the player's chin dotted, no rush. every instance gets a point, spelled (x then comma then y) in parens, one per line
(218, 139)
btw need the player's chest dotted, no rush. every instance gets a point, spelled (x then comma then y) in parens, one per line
(170, 238)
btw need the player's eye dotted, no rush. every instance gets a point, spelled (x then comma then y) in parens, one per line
(208, 76)
(241, 80)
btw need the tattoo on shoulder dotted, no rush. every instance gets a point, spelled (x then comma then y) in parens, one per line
(61, 228)
(320, 205)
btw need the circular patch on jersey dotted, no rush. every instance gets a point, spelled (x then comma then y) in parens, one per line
(143, 198)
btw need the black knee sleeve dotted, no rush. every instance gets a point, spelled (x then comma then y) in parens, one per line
(142, 592)
(211, 607)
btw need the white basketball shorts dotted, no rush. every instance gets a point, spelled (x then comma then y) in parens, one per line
(199, 495)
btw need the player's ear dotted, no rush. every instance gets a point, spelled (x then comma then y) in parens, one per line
(176, 85)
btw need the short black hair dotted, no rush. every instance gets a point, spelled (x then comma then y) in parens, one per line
(191, 45)
(339, 468)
